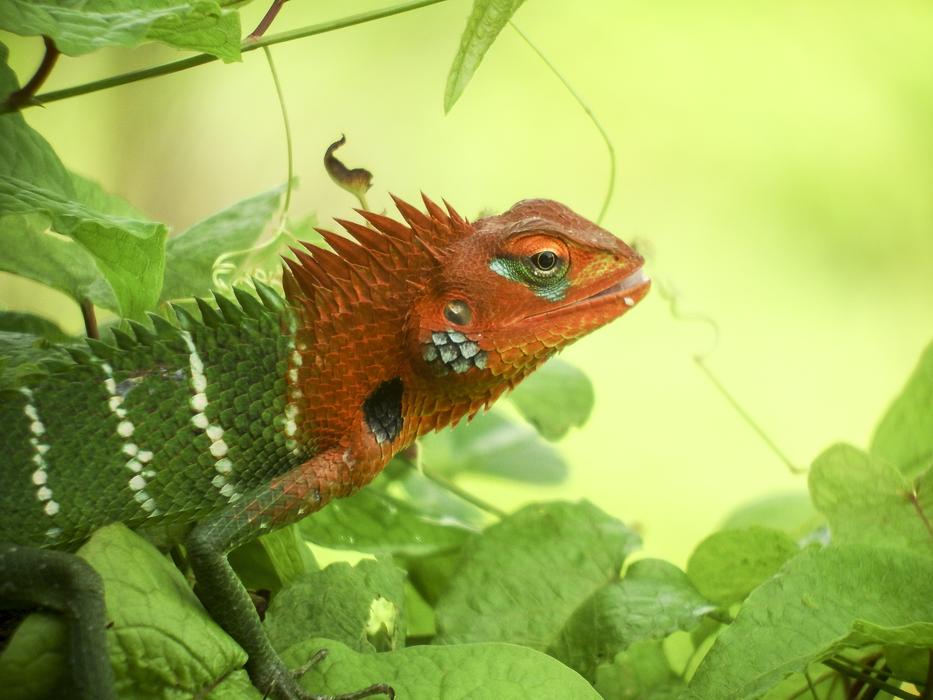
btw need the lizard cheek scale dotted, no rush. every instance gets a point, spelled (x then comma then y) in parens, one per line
(263, 410)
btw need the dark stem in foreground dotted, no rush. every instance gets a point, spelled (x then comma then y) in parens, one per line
(90, 319)
(24, 96)
(852, 672)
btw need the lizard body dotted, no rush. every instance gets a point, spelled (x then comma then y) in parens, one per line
(263, 410)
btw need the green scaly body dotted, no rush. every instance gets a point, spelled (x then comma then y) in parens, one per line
(165, 429)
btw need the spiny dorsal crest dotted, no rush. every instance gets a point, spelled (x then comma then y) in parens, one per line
(385, 257)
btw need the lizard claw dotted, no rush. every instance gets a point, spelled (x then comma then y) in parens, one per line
(369, 691)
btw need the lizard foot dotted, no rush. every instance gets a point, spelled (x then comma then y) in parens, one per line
(368, 692)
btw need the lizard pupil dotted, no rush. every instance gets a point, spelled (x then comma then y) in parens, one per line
(545, 260)
(457, 312)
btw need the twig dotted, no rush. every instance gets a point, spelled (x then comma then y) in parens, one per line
(858, 673)
(589, 113)
(201, 59)
(266, 20)
(90, 319)
(24, 96)
(459, 492)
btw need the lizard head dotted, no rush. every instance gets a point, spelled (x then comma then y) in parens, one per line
(452, 313)
(525, 284)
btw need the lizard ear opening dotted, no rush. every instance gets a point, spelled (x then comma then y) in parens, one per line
(458, 312)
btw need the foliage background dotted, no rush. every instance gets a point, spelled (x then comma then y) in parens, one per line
(776, 156)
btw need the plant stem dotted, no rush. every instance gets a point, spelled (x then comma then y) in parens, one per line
(288, 135)
(589, 113)
(460, 493)
(201, 59)
(927, 693)
(810, 684)
(26, 94)
(90, 319)
(266, 20)
(858, 673)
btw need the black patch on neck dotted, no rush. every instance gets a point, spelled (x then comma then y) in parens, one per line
(383, 410)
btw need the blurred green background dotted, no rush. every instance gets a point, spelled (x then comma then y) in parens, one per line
(777, 158)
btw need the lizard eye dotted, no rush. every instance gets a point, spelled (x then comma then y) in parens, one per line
(544, 262)
(457, 312)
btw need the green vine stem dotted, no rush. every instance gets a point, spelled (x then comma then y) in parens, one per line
(246, 46)
(589, 112)
(288, 136)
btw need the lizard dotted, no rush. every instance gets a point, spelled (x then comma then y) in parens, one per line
(269, 406)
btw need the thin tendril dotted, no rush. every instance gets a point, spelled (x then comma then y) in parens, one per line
(288, 137)
(589, 113)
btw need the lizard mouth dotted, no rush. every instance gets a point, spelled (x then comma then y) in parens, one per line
(629, 290)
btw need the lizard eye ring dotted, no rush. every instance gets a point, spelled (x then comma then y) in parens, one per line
(457, 312)
(545, 261)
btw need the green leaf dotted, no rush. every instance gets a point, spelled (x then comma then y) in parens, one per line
(821, 602)
(493, 444)
(35, 187)
(486, 20)
(904, 436)
(555, 398)
(642, 672)
(654, 600)
(129, 252)
(525, 576)
(791, 512)
(867, 500)
(191, 255)
(19, 322)
(160, 637)
(34, 659)
(728, 565)
(273, 560)
(373, 521)
(500, 671)
(362, 607)
(31, 251)
(79, 28)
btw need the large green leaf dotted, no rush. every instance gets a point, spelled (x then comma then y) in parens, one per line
(493, 444)
(652, 601)
(555, 398)
(80, 27)
(868, 500)
(362, 606)
(37, 192)
(524, 577)
(190, 256)
(486, 20)
(904, 436)
(728, 565)
(161, 640)
(461, 672)
(373, 521)
(821, 602)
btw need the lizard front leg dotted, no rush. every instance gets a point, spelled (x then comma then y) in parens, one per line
(288, 498)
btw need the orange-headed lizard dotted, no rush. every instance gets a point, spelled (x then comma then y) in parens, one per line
(263, 410)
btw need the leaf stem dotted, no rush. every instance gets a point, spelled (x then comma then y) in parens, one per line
(288, 135)
(90, 319)
(589, 112)
(266, 20)
(202, 58)
(858, 673)
(461, 493)
(24, 97)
